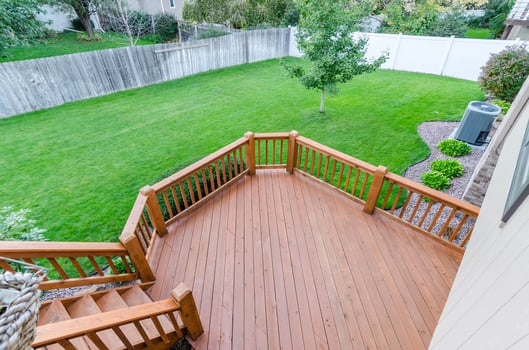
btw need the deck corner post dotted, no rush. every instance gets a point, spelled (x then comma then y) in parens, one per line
(250, 152)
(374, 189)
(153, 208)
(137, 257)
(188, 310)
(292, 151)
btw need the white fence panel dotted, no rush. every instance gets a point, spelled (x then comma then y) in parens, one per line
(459, 58)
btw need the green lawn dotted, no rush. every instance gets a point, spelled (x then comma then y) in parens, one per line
(66, 44)
(479, 33)
(79, 166)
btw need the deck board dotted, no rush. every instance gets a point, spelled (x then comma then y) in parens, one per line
(283, 261)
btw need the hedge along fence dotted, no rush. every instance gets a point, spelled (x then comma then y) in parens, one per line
(41, 83)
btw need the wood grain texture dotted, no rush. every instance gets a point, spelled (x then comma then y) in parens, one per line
(285, 261)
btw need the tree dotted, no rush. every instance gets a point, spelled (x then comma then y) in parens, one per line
(18, 23)
(326, 37)
(83, 9)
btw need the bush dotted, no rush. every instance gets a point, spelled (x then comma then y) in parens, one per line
(85, 37)
(211, 33)
(435, 180)
(120, 265)
(505, 72)
(450, 23)
(504, 105)
(165, 27)
(15, 226)
(448, 167)
(454, 148)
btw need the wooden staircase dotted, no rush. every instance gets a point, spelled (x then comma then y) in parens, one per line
(121, 318)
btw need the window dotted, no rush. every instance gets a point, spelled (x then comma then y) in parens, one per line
(171, 3)
(520, 182)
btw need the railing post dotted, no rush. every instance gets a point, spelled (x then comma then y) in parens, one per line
(188, 310)
(137, 257)
(153, 208)
(250, 152)
(292, 151)
(374, 189)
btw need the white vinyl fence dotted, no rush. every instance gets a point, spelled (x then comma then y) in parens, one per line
(453, 57)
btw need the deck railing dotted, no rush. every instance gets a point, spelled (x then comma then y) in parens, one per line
(72, 264)
(187, 188)
(432, 212)
(105, 332)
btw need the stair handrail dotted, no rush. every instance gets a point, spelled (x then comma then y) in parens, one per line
(71, 264)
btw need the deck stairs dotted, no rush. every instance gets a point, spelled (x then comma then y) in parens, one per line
(96, 306)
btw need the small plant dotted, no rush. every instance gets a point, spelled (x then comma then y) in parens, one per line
(448, 167)
(435, 180)
(505, 72)
(120, 265)
(504, 105)
(454, 148)
(85, 37)
(15, 226)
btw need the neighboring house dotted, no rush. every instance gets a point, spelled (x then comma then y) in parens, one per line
(173, 7)
(517, 23)
(488, 304)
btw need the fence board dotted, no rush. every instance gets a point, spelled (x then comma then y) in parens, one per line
(42, 83)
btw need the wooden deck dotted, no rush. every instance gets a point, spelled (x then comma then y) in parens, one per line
(284, 261)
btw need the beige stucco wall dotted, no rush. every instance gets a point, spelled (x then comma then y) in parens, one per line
(488, 306)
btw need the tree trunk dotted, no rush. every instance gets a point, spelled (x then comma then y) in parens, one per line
(322, 103)
(85, 20)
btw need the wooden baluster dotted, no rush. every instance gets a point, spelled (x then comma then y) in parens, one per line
(223, 162)
(217, 171)
(58, 268)
(300, 149)
(235, 165)
(340, 175)
(419, 201)
(273, 152)
(266, 152)
(249, 152)
(436, 217)
(143, 334)
(364, 183)
(111, 265)
(319, 166)
(425, 213)
(347, 178)
(326, 168)
(306, 159)
(176, 201)
(458, 228)
(292, 151)
(396, 201)
(388, 193)
(184, 196)
(197, 184)
(204, 183)
(188, 310)
(259, 152)
(355, 183)
(191, 192)
(96, 266)
(212, 178)
(281, 152)
(462, 245)
(166, 201)
(77, 266)
(125, 263)
(241, 164)
(312, 162)
(153, 208)
(405, 206)
(447, 222)
(332, 171)
(374, 189)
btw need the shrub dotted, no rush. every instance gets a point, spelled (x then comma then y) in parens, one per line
(120, 265)
(504, 105)
(165, 27)
(435, 180)
(454, 148)
(212, 33)
(85, 37)
(448, 167)
(15, 226)
(505, 72)
(450, 23)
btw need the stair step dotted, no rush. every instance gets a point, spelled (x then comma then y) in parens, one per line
(86, 306)
(113, 301)
(56, 312)
(137, 296)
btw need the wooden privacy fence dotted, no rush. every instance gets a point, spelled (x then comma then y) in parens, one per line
(447, 219)
(46, 82)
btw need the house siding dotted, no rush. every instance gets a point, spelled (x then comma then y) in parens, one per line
(488, 306)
